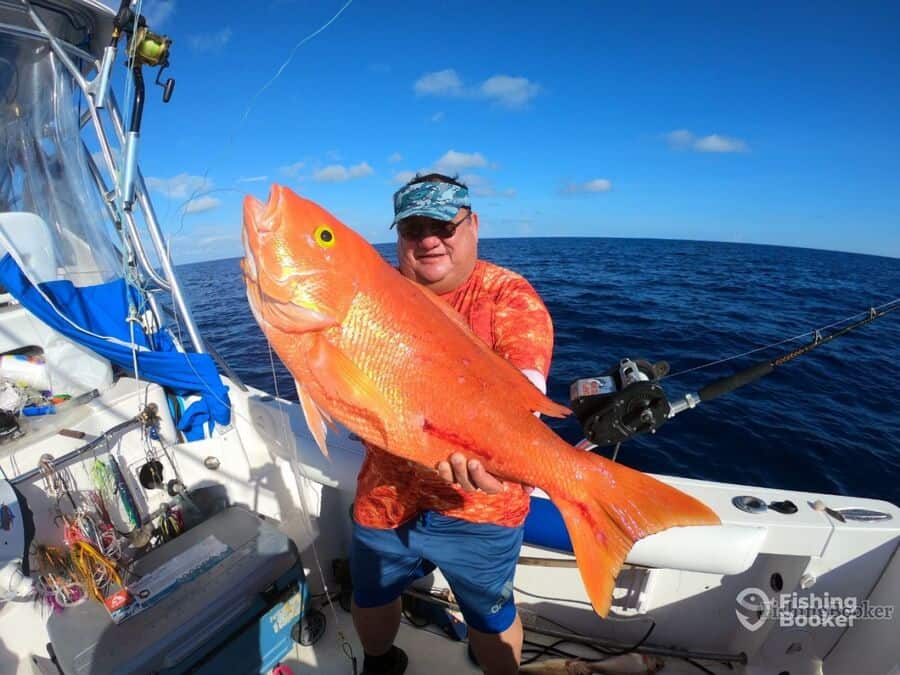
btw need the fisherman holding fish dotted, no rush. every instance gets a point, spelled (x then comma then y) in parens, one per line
(434, 366)
(407, 519)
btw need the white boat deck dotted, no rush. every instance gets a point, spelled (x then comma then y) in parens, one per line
(430, 653)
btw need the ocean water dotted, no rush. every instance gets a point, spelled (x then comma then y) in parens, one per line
(826, 422)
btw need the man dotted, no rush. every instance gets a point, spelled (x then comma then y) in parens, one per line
(409, 519)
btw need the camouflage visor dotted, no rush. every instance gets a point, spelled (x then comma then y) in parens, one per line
(435, 200)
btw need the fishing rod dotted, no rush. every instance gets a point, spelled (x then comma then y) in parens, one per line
(628, 400)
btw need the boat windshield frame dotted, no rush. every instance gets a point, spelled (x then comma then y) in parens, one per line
(96, 93)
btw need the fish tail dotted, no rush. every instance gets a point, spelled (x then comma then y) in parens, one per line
(612, 507)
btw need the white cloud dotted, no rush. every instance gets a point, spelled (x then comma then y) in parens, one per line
(157, 12)
(361, 169)
(437, 117)
(216, 239)
(404, 176)
(207, 242)
(181, 186)
(483, 187)
(717, 143)
(440, 83)
(395, 157)
(504, 90)
(252, 179)
(201, 204)
(596, 185)
(210, 42)
(454, 161)
(682, 139)
(292, 170)
(338, 173)
(510, 92)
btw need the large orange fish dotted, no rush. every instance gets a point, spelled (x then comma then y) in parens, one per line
(398, 367)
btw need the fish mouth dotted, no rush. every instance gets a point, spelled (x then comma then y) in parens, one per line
(259, 220)
(274, 299)
(262, 217)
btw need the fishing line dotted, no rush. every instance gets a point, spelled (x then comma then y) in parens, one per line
(298, 472)
(182, 208)
(884, 308)
(227, 146)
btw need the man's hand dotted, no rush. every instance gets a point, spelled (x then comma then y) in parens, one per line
(471, 475)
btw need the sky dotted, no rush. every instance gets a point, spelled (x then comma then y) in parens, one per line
(775, 123)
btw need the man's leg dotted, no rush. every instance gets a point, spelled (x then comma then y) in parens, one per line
(377, 626)
(479, 561)
(498, 653)
(381, 566)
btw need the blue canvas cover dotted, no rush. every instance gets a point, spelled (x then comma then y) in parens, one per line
(95, 317)
(545, 527)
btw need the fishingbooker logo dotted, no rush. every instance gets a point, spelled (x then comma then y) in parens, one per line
(805, 610)
(758, 606)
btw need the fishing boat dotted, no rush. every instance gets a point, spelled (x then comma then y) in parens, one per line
(158, 515)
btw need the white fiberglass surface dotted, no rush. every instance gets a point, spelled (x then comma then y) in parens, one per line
(44, 170)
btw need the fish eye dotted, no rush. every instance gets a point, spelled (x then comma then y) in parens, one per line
(324, 236)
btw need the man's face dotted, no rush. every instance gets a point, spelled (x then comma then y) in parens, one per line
(441, 264)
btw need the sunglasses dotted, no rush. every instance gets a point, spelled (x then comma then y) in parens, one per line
(416, 229)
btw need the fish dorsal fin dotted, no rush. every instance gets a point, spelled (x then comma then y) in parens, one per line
(516, 383)
(315, 417)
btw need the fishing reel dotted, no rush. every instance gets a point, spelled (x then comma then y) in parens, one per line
(625, 401)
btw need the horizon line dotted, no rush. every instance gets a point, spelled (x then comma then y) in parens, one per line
(696, 241)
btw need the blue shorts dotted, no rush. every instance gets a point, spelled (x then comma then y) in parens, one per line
(478, 559)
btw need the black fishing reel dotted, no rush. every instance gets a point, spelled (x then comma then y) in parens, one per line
(625, 401)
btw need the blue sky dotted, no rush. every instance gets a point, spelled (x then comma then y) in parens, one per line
(741, 123)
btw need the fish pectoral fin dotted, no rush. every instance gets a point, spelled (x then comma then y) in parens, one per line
(315, 417)
(533, 399)
(615, 507)
(344, 382)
